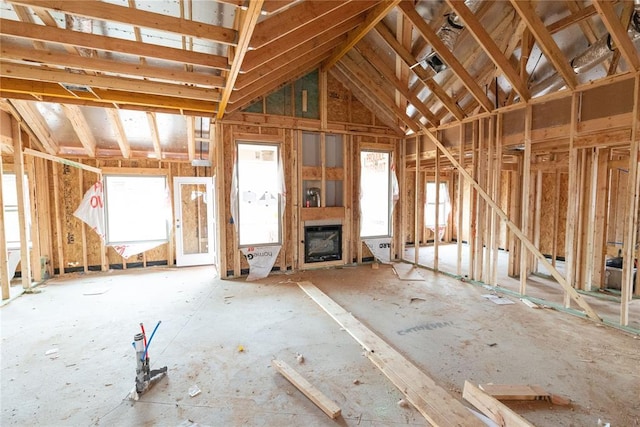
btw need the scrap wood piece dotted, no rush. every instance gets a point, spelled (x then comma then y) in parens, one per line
(327, 405)
(522, 392)
(438, 406)
(492, 407)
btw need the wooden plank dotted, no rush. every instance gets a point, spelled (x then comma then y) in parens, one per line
(526, 179)
(572, 208)
(478, 250)
(64, 161)
(460, 211)
(496, 224)
(515, 391)
(327, 405)
(83, 227)
(416, 206)
(34, 228)
(58, 218)
(618, 32)
(436, 237)
(631, 218)
(433, 401)
(312, 214)
(492, 408)
(18, 168)
(4, 259)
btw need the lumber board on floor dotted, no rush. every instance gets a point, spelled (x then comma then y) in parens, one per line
(515, 391)
(492, 408)
(432, 401)
(327, 405)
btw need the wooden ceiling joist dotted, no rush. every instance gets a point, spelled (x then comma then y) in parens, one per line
(45, 33)
(40, 74)
(248, 24)
(81, 128)
(139, 18)
(155, 135)
(53, 92)
(16, 53)
(490, 47)
(373, 17)
(445, 54)
(618, 33)
(191, 137)
(578, 15)
(545, 41)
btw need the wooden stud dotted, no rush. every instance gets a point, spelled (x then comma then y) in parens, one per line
(591, 220)
(537, 214)
(490, 226)
(631, 218)
(172, 227)
(479, 213)
(460, 211)
(83, 229)
(526, 178)
(18, 168)
(556, 214)
(473, 208)
(436, 237)
(582, 213)
(221, 197)
(35, 230)
(294, 195)
(417, 193)
(4, 255)
(572, 209)
(496, 225)
(58, 218)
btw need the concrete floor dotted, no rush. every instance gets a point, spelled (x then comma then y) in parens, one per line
(91, 319)
(542, 286)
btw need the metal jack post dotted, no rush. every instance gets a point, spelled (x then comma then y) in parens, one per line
(145, 377)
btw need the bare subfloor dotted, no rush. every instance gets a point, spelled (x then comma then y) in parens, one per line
(442, 325)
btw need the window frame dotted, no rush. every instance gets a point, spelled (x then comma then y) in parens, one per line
(278, 148)
(168, 220)
(389, 232)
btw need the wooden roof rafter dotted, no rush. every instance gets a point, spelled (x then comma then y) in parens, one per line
(445, 54)
(155, 135)
(121, 137)
(373, 17)
(245, 32)
(618, 33)
(37, 124)
(81, 128)
(473, 25)
(548, 46)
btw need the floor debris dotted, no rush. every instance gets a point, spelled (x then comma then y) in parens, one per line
(403, 403)
(194, 390)
(300, 358)
(497, 299)
(528, 303)
(413, 299)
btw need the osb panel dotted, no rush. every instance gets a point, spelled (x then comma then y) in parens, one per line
(450, 137)
(70, 198)
(269, 131)
(409, 196)
(513, 122)
(609, 100)
(546, 213)
(245, 129)
(359, 113)
(338, 98)
(562, 216)
(549, 114)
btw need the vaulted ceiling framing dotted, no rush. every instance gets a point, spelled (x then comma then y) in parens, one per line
(167, 62)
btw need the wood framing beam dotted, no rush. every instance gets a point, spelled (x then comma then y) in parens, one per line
(155, 135)
(424, 76)
(370, 54)
(140, 18)
(359, 77)
(53, 92)
(21, 191)
(438, 406)
(34, 120)
(191, 137)
(618, 33)
(4, 255)
(62, 160)
(14, 52)
(445, 54)
(81, 128)
(373, 17)
(337, 22)
(576, 17)
(545, 41)
(490, 47)
(517, 231)
(118, 129)
(39, 74)
(491, 407)
(248, 24)
(51, 34)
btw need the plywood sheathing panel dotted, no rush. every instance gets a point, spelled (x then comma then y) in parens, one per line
(513, 122)
(338, 100)
(547, 213)
(360, 114)
(549, 114)
(610, 100)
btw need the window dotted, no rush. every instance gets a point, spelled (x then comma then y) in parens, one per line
(137, 209)
(10, 201)
(259, 191)
(444, 207)
(375, 194)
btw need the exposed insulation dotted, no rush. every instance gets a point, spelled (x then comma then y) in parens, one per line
(513, 122)
(556, 112)
(610, 100)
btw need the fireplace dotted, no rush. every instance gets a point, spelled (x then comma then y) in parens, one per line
(322, 243)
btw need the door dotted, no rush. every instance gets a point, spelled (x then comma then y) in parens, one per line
(193, 202)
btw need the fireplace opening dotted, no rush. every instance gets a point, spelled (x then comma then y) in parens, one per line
(322, 243)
